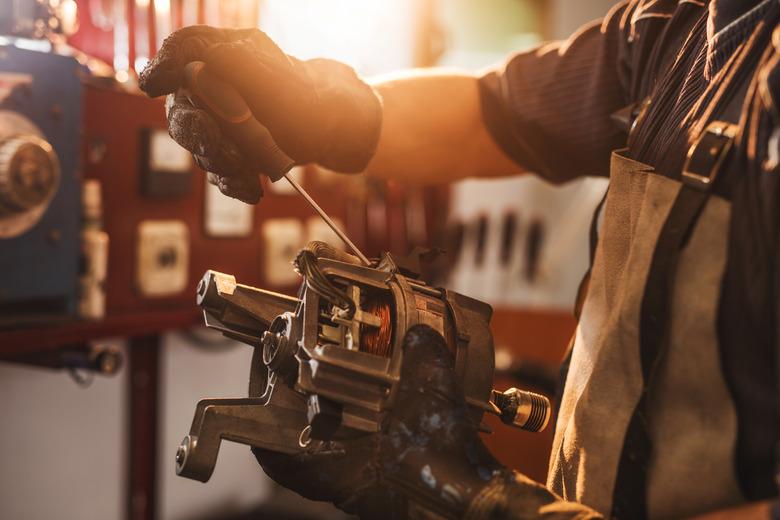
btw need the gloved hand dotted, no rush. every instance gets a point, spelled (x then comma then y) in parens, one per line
(316, 111)
(427, 460)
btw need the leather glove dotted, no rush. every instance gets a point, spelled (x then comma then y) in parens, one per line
(427, 461)
(316, 111)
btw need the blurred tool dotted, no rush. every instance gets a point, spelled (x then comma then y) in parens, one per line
(235, 119)
(105, 361)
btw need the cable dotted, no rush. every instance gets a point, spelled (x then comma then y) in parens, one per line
(306, 265)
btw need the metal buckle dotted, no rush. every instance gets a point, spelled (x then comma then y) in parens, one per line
(706, 155)
(628, 117)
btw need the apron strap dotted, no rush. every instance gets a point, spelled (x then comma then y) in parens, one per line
(704, 163)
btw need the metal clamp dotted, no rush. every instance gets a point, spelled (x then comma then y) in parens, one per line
(706, 155)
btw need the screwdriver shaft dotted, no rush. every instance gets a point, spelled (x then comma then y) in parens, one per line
(327, 219)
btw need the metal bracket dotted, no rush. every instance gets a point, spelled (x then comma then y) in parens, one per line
(246, 421)
(239, 311)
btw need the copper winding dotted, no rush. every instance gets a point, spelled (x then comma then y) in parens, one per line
(377, 340)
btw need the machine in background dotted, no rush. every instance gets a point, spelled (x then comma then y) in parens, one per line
(40, 125)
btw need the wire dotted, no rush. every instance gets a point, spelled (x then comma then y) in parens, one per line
(377, 340)
(306, 265)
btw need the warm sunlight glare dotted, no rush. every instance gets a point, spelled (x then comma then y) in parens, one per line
(371, 35)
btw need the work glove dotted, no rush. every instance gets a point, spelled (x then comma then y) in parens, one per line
(317, 111)
(427, 460)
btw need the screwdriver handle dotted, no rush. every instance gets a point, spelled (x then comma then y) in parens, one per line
(207, 92)
(220, 99)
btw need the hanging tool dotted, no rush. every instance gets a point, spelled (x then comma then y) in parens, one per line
(224, 102)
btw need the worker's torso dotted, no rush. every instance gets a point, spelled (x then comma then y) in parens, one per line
(669, 407)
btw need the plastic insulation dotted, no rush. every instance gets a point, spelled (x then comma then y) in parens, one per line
(325, 250)
(306, 265)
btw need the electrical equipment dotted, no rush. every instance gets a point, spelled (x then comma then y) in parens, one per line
(163, 250)
(225, 217)
(282, 238)
(94, 254)
(40, 114)
(522, 242)
(101, 132)
(166, 167)
(222, 233)
(326, 365)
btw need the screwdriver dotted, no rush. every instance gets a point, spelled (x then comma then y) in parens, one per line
(225, 103)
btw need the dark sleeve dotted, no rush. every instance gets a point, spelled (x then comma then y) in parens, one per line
(549, 108)
(749, 311)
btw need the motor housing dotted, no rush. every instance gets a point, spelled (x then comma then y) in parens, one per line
(327, 364)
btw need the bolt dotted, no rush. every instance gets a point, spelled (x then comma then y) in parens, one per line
(181, 454)
(269, 339)
(274, 351)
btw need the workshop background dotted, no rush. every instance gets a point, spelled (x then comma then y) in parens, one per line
(103, 358)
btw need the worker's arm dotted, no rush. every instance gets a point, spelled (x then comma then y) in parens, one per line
(420, 126)
(433, 130)
(546, 110)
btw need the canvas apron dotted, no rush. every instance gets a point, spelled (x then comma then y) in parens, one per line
(686, 409)
(693, 419)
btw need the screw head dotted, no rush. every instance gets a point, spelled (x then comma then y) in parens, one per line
(269, 339)
(181, 454)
